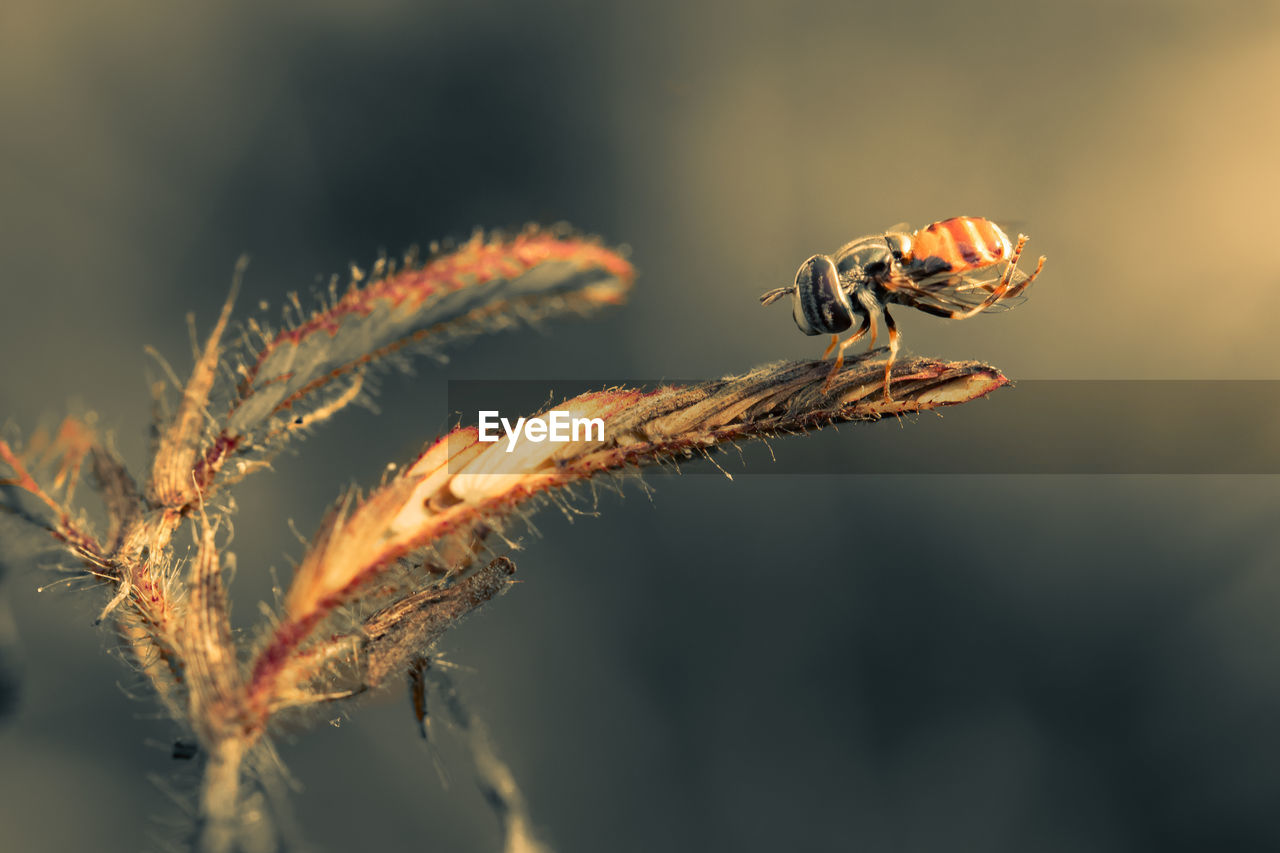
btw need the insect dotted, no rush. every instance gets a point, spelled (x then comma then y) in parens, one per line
(932, 270)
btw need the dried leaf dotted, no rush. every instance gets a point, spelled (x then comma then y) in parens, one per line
(460, 489)
(289, 381)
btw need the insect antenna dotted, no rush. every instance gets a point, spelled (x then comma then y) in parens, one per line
(774, 295)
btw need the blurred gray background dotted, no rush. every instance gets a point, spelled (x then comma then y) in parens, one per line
(898, 663)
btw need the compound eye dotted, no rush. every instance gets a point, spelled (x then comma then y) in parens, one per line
(821, 306)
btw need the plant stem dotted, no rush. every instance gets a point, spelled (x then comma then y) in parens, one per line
(219, 818)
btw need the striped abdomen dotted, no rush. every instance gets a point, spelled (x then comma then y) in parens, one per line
(958, 245)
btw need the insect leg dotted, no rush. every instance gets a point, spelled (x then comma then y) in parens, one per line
(1002, 283)
(1005, 289)
(871, 306)
(1022, 285)
(835, 339)
(867, 326)
(894, 335)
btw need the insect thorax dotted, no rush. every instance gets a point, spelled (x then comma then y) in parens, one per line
(866, 257)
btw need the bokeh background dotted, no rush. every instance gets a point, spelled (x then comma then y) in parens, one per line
(898, 663)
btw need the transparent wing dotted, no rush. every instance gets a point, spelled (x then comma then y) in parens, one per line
(948, 292)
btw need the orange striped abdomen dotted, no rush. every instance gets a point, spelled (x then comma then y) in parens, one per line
(962, 244)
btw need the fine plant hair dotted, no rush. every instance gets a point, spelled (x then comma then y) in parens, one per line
(390, 570)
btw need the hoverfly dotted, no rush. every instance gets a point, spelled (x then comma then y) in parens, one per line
(931, 270)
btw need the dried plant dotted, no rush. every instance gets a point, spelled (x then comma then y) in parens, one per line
(390, 571)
